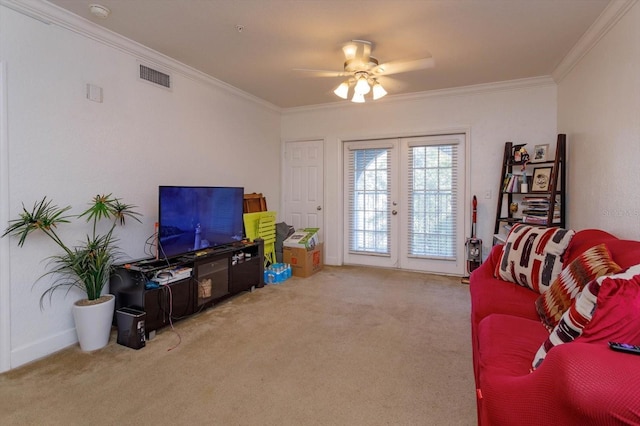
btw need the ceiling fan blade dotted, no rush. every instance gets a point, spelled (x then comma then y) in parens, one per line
(322, 73)
(397, 67)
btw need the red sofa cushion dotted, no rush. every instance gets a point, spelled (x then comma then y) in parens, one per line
(578, 384)
(624, 252)
(490, 295)
(497, 297)
(584, 240)
(506, 345)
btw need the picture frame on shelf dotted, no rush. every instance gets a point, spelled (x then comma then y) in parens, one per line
(541, 179)
(540, 152)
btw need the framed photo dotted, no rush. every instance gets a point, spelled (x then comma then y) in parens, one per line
(541, 179)
(540, 152)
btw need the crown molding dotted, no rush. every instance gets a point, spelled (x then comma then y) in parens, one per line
(519, 84)
(51, 14)
(609, 17)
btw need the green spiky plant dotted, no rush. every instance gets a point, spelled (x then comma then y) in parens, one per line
(88, 265)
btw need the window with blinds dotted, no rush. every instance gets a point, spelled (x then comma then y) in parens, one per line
(369, 186)
(432, 192)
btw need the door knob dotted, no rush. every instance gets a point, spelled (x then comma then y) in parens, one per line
(394, 212)
(319, 208)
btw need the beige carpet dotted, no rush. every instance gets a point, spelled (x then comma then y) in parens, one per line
(347, 346)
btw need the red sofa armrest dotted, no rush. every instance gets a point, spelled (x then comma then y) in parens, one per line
(578, 383)
(488, 267)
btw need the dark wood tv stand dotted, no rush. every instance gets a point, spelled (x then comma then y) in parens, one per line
(216, 274)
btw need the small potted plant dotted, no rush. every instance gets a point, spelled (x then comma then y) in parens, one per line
(86, 266)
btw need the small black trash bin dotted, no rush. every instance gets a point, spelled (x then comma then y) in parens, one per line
(131, 327)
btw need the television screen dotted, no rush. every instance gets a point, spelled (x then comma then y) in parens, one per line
(197, 217)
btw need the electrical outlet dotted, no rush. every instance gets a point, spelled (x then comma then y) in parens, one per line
(487, 194)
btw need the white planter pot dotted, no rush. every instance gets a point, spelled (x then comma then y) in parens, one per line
(93, 323)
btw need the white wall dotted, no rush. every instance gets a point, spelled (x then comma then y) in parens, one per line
(599, 109)
(66, 147)
(523, 112)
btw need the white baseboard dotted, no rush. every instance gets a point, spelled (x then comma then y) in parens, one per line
(43, 348)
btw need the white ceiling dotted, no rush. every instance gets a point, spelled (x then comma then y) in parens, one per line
(471, 41)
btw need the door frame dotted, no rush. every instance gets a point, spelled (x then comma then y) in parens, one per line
(5, 275)
(465, 185)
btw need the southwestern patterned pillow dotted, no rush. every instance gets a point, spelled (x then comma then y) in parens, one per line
(590, 265)
(532, 256)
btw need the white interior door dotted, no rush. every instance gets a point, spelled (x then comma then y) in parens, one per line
(303, 184)
(404, 203)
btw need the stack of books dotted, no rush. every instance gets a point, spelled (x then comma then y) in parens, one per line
(536, 210)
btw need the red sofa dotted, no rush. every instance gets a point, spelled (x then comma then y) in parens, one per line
(578, 383)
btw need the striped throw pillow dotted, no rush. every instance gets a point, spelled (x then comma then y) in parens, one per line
(532, 256)
(579, 315)
(590, 265)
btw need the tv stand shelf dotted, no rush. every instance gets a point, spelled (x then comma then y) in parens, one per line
(215, 275)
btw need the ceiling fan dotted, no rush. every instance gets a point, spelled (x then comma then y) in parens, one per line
(363, 71)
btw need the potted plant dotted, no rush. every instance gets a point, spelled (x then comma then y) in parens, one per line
(86, 266)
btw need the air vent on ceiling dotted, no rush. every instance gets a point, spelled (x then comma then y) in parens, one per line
(155, 76)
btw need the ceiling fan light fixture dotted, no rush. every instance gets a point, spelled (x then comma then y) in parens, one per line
(350, 50)
(378, 91)
(362, 86)
(358, 98)
(342, 91)
(363, 70)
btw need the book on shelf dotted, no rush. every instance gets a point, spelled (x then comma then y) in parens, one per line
(539, 204)
(540, 219)
(511, 182)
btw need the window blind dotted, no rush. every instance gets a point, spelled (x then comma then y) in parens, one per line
(369, 192)
(432, 200)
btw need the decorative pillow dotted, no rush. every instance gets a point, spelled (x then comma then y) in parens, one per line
(590, 265)
(574, 321)
(532, 256)
(617, 318)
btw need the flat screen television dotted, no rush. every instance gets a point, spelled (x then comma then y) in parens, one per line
(197, 217)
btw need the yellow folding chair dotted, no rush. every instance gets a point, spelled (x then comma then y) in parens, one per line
(262, 225)
(267, 231)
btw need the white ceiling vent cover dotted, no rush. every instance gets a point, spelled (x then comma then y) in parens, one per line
(155, 76)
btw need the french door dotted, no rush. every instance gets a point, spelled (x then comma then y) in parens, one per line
(404, 203)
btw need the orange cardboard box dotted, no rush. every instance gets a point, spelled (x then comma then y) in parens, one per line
(303, 262)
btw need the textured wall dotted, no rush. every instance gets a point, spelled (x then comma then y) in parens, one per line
(599, 109)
